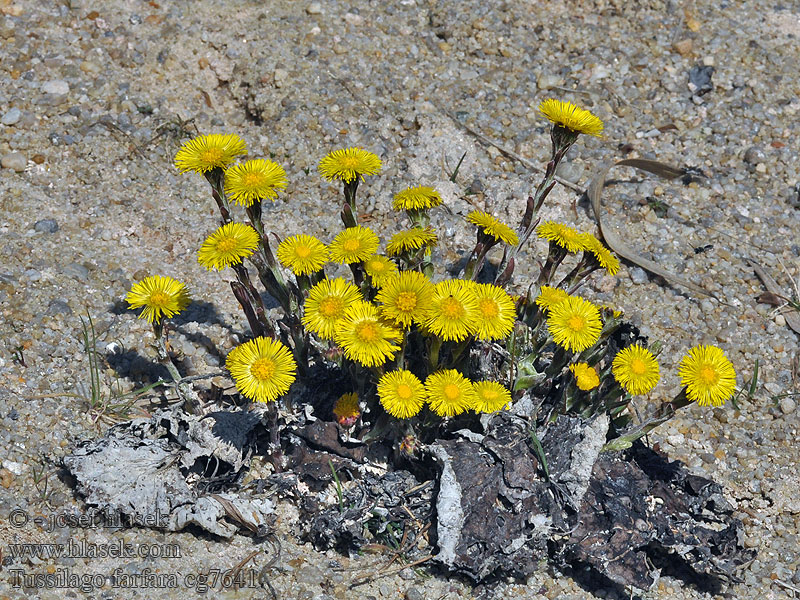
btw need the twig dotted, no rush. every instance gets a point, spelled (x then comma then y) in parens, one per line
(369, 578)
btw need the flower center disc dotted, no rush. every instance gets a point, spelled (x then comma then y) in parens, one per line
(302, 251)
(452, 308)
(331, 307)
(576, 323)
(406, 301)
(349, 162)
(708, 374)
(227, 244)
(262, 369)
(489, 308)
(404, 391)
(351, 245)
(638, 367)
(367, 332)
(211, 156)
(253, 180)
(159, 299)
(452, 391)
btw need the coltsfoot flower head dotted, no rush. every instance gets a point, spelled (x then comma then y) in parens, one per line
(562, 235)
(636, 370)
(572, 117)
(401, 394)
(492, 227)
(208, 152)
(326, 305)
(349, 164)
(227, 246)
(302, 254)
(574, 324)
(490, 396)
(405, 297)
(707, 375)
(353, 245)
(159, 296)
(379, 268)
(550, 296)
(365, 337)
(601, 254)
(411, 239)
(585, 376)
(416, 198)
(453, 311)
(254, 181)
(262, 369)
(496, 312)
(347, 410)
(449, 393)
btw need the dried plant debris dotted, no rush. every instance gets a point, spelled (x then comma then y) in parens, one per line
(377, 509)
(642, 511)
(495, 503)
(157, 472)
(499, 511)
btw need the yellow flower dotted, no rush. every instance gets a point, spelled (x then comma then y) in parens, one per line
(708, 376)
(208, 152)
(574, 118)
(574, 324)
(450, 393)
(411, 239)
(253, 181)
(562, 235)
(453, 311)
(364, 337)
(585, 376)
(303, 254)
(550, 296)
(490, 396)
(378, 267)
(262, 369)
(326, 304)
(349, 164)
(491, 226)
(227, 246)
(602, 254)
(417, 198)
(353, 245)
(636, 370)
(405, 297)
(347, 410)
(401, 394)
(496, 312)
(159, 295)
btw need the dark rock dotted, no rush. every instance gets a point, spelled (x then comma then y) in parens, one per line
(46, 226)
(58, 307)
(700, 79)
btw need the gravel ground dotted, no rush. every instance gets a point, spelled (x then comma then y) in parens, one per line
(94, 98)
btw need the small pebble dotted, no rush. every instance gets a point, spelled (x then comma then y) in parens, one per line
(57, 87)
(15, 161)
(638, 275)
(787, 405)
(12, 116)
(314, 8)
(46, 226)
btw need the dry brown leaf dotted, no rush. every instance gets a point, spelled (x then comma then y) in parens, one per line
(594, 193)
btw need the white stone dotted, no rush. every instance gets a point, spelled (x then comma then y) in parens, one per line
(12, 116)
(58, 87)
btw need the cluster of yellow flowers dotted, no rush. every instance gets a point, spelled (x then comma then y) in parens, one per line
(393, 305)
